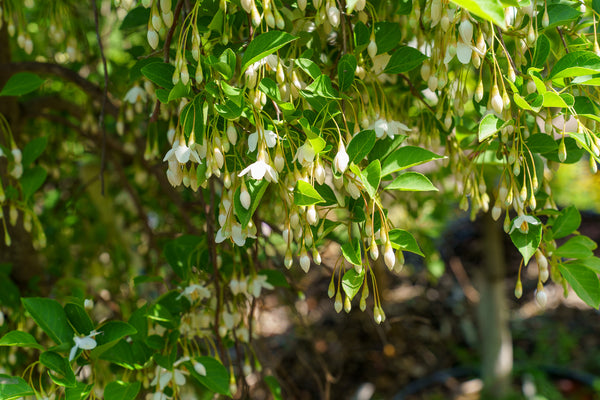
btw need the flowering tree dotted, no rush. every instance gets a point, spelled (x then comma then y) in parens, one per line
(262, 130)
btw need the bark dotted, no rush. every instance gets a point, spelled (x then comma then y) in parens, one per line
(496, 340)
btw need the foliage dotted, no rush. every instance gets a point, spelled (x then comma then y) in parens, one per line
(284, 126)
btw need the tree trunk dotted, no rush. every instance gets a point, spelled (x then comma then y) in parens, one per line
(496, 340)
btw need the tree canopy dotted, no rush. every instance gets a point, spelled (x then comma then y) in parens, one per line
(173, 159)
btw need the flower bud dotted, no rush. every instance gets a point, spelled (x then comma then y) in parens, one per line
(478, 92)
(540, 296)
(316, 257)
(288, 260)
(245, 196)
(347, 304)
(340, 162)
(545, 19)
(304, 260)
(519, 289)
(311, 215)
(388, 255)
(338, 302)
(496, 100)
(562, 150)
(374, 250)
(152, 39)
(372, 47)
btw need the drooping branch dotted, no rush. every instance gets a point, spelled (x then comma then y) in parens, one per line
(41, 68)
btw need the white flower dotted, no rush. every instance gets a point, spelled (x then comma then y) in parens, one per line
(380, 62)
(381, 127)
(88, 304)
(305, 154)
(238, 235)
(17, 155)
(259, 282)
(199, 368)
(340, 162)
(522, 223)
(260, 169)
(174, 173)
(163, 377)
(135, 95)
(195, 292)
(268, 136)
(85, 343)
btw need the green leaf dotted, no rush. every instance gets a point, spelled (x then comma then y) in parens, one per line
(584, 282)
(59, 365)
(489, 125)
(352, 282)
(137, 17)
(159, 73)
(384, 147)
(81, 391)
(274, 387)
(558, 14)
(351, 251)
(371, 177)
(256, 189)
(121, 390)
(20, 339)
(79, 319)
(275, 277)
(574, 152)
(527, 243)
(180, 90)
(541, 143)
(227, 61)
(217, 376)
(14, 387)
(270, 88)
(109, 334)
(360, 145)
(592, 263)
(326, 193)
(33, 149)
(21, 83)
(576, 63)
(309, 67)
(566, 223)
(229, 110)
(404, 59)
(406, 157)
(345, 69)
(489, 10)
(132, 355)
(404, 240)
(179, 253)
(362, 36)
(574, 248)
(135, 72)
(32, 179)
(50, 316)
(263, 45)
(306, 195)
(411, 181)
(552, 99)
(542, 51)
(322, 87)
(387, 36)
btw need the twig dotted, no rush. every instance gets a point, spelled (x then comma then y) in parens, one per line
(166, 48)
(91, 89)
(512, 63)
(562, 38)
(416, 93)
(104, 98)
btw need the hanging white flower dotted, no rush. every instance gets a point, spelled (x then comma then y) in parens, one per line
(135, 95)
(258, 283)
(261, 169)
(305, 154)
(269, 137)
(522, 223)
(195, 292)
(340, 162)
(380, 126)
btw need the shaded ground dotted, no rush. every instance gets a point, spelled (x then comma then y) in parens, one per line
(428, 346)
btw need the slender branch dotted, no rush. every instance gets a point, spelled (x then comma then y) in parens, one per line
(166, 48)
(512, 62)
(94, 91)
(416, 93)
(104, 98)
(562, 38)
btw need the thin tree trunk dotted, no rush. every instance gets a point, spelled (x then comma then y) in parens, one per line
(496, 340)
